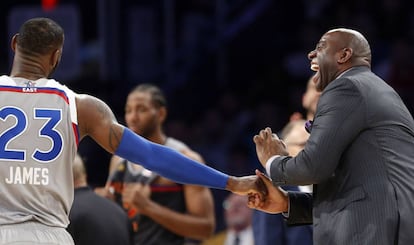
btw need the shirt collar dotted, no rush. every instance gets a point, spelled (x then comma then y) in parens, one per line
(346, 71)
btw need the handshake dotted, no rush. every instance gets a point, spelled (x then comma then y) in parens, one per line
(262, 194)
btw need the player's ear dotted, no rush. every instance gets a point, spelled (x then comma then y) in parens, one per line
(345, 55)
(13, 42)
(54, 61)
(162, 112)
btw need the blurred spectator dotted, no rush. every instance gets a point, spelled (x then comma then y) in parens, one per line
(310, 99)
(295, 136)
(272, 229)
(269, 228)
(238, 218)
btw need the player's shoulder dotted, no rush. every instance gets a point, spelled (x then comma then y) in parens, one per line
(183, 148)
(6, 80)
(193, 155)
(175, 144)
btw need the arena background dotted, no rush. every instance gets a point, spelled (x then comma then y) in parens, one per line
(228, 67)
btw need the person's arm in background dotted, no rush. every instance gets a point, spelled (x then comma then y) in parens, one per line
(97, 120)
(113, 163)
(105, 191)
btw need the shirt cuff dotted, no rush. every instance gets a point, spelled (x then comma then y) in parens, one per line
(269, 163)
(286, 214)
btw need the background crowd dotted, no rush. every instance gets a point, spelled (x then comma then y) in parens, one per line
(228, 68)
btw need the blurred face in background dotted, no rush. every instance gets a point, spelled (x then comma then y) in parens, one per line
(141, 115)
(238, 216)
(311, 96)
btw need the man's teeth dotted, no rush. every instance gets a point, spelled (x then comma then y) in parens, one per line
(314, 67)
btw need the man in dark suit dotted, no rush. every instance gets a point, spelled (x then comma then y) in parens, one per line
(360, 154)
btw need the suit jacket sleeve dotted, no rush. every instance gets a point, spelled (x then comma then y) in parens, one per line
(300, 208)
(339, 118)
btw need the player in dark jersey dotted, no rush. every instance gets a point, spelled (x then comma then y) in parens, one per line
(165, 212)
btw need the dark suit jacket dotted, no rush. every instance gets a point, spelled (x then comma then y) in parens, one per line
(95, 220)
(361, 156)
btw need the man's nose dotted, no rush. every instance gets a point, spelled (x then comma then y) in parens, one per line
(312, 54)
(133, 116)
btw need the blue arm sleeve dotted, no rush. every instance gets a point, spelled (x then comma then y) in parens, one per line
(168, 163)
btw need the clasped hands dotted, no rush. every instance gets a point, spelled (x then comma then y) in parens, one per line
(262, 194)
(136, 196)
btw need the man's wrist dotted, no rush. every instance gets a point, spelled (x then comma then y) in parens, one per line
(236, 185)
(230, 183)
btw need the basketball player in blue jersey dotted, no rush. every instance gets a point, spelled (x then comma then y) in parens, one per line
(41, 125)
